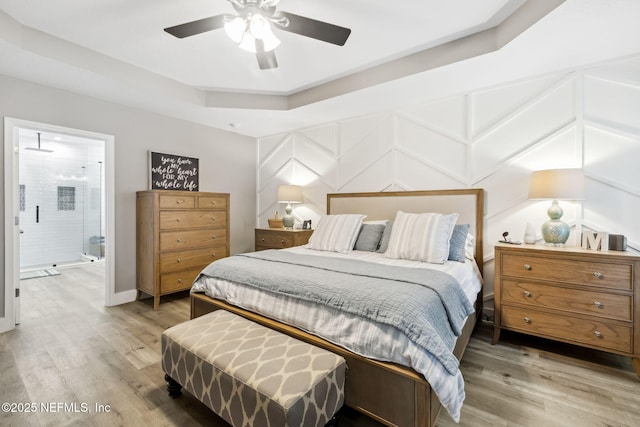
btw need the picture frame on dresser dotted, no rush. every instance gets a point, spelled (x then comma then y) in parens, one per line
(173, 172)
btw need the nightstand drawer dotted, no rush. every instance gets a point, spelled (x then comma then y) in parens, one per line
(614, 276)
(182, 260)
(172, 240)
(610, 306)
(589, 332)
(274, 240)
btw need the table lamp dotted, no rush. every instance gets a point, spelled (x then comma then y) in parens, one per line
(289, 194)
(556, 184)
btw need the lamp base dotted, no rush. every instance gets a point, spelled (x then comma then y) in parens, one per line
(288, 220)
(554, 231)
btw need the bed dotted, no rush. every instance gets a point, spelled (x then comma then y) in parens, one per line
(390, 388)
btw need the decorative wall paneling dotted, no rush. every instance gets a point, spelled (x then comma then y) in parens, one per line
(491, 138)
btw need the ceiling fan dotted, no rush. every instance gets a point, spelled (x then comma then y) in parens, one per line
(252, 27)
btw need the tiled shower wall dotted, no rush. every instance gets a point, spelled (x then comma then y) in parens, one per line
(492, 139)
(60, 201)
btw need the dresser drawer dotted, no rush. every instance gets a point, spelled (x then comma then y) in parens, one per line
(614, 276)
(601, 304)
(169, 201)
(590, 332)
(187, 239)
(274, 240)
(211, 202)
(178, 281)
(171, 220)
(182, 260)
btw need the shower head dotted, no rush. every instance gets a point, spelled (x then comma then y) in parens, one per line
(39, 149)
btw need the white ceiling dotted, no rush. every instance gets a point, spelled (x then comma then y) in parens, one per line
(118, 51)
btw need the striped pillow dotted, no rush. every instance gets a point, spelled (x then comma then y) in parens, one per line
(336, 233)
(421, 237)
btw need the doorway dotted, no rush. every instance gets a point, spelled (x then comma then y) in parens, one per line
(61, 200)
(59, 207)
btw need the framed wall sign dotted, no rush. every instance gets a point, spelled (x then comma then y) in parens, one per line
(173, 172)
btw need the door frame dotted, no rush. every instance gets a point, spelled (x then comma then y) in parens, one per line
(12, 214)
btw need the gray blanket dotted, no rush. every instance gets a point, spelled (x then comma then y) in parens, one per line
(428, 306)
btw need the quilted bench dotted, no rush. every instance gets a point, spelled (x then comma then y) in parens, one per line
(251, 375)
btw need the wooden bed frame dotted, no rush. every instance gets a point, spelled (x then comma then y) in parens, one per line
(392, 394)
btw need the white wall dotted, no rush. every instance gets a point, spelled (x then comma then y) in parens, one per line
(227, 160)
(491, 139)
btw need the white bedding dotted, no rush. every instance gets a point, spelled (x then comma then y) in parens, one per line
(357, 334)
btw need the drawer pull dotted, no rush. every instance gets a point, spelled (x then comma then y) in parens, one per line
(213, 254)
(262, 239)
(598, 304)
(282, 242)
(213, 218)
(179, 280)
(178, 220)
(213, 236)
(527, 320)
(178, 240)
(179, 202)
(179, 260)
(527, 267)
(597, 333)
(598, 275)
(527, 294)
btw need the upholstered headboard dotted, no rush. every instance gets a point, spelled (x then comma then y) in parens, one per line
(468, 203)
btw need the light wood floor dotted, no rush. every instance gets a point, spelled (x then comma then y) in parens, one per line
(71, 350)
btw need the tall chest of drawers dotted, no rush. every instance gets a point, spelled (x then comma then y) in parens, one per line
(583, 297)
(178, 233)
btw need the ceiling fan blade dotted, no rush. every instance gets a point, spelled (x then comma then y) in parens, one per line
(196, 27)
(266, 60)
(316, 29)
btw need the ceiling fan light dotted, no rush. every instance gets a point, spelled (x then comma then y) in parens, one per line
(270, 41)
(259, 26)
(248, 42)
(261, 29)
(235, 29)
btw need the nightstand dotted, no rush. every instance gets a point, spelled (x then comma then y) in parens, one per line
(583, 297)
(280, 238)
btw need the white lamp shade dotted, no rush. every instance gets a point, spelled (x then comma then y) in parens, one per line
(289, 194)
(557, 184)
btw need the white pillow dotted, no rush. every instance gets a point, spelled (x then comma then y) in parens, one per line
(421, 237)
(336, 233)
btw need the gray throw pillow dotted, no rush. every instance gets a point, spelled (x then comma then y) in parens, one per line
(369, 237)
(457, 242)
(386, 235)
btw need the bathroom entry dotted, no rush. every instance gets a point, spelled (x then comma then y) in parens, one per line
(61, 200)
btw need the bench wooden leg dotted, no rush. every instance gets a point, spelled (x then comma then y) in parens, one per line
(173, 387)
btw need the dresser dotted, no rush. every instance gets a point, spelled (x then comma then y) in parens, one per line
(178, 233)
(582, 297)
(280, 238)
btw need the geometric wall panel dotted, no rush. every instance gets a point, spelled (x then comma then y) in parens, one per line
(493, 105)
(491, 138)
(529, 124)
(613, 158)
(432, 148)
(613, 103)
(447, 116)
